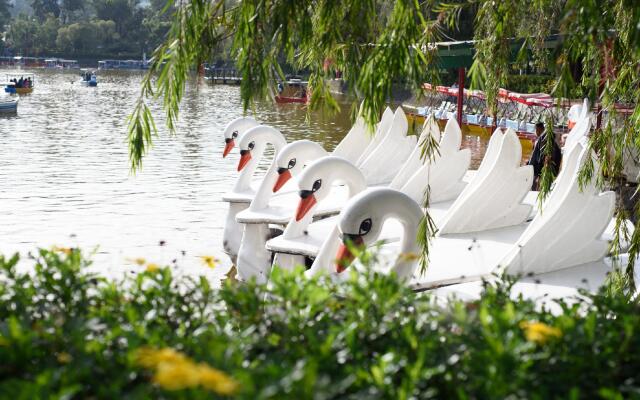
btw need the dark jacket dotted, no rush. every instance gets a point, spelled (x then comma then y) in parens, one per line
(538, 156)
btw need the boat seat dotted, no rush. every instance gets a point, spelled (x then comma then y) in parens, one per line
(509, 123)
(473, 119)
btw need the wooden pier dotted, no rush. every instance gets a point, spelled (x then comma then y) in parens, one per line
(223, 76)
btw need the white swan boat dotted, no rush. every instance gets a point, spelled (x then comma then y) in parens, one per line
(355, 144)
(234, 130)
(498, 196)
(500, 190)
(243, 191)
(445, 175)
(480, 227)
(253, 259)
(561, 250)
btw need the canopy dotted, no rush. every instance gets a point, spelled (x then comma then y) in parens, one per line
(529, 99)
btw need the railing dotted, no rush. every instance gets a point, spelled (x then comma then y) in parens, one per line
(223, 76)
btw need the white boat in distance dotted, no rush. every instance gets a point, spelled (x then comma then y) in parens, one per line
(9, 106)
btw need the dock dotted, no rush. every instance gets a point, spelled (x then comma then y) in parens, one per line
(223, 76)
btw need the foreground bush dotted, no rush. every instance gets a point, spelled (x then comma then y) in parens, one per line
(65, 333)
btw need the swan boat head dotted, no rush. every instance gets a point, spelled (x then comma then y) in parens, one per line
(255, 140)
(317, 179)
(362, 219)
(293, 158)
(234, 129)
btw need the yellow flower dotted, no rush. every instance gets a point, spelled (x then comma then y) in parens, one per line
(65, 250)
(64, 358)
(539, 332)
(151, 358)
(151, 267)
(175, 371)
(217, 381)
(176, 376)
(209, 261)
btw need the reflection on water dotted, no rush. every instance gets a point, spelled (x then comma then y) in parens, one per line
(65, 178)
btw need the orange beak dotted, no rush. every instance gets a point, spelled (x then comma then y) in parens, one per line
(304, 206)
(344, 256)
(244, 159)
(283, 177)
(228, 147)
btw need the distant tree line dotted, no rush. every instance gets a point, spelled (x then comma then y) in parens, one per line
(79, 28)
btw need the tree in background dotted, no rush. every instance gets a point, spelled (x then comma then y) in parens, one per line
(157, 21)
(376, 43)
(46, 33)
(86, 37)
(119, 11)
(56, 27)
(22, 33)
(106, 34)
(20, 7)
(5, 13)
(129, 18)
(42, 8)
(68, 8)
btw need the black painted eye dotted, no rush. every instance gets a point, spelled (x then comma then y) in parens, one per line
(317, 184)
(365, 226)
(251, 145)
(292, 163)
(234, 134)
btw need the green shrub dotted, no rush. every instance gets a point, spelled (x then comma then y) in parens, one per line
(65, 333)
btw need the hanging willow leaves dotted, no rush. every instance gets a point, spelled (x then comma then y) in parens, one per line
(373, 44)
(549, 169)
(429, 151)
(378, 44)
(197, 26)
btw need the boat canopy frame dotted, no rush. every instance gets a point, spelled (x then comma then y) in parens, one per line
(9, 76)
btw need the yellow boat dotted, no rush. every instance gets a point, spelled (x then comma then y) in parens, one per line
(10, 85)
(24, 90)
(416, 121)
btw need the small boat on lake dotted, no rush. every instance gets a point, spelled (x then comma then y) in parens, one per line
(19, 83)
(123, 64)
(293, 91)
(89, 78)
(60, 63)
(8, 106)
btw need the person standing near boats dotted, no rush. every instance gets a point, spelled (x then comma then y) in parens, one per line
(541, 156)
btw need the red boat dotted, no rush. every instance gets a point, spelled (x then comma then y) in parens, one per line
(293, 91)
(285, 99)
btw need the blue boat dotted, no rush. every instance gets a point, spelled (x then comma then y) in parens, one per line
(8, 106)
(22, 83)
(89, 79)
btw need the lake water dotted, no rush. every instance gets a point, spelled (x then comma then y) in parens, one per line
(65, 178)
